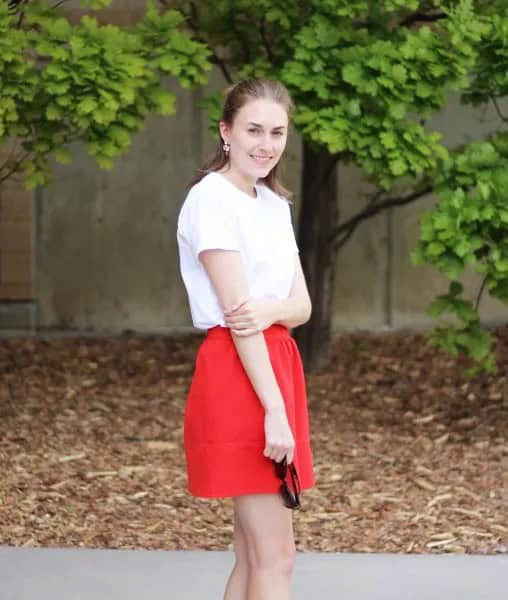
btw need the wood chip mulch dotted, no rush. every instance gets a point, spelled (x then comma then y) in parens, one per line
(410, 455)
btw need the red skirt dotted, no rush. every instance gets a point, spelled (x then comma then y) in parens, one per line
(224, 435)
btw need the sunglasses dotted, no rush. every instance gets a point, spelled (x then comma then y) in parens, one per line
(289, 496)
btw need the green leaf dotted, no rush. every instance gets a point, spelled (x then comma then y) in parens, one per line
(120, 135)
(104, 116)
(438, 306)
(388, 139)
(478, 344)
(397, 110)
(164, 101)
(456, 288)
(451, 266)
(95, 4)
(354, 108)
(417, 255)
(398, 166)
(423, 90)
(63, 156)
(399, 73)
(105, 162)
(87, 105)
(352, 74)
(60, 29)
(53, 112)
(465, 311)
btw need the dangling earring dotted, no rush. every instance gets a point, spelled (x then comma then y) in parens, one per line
(226, 147)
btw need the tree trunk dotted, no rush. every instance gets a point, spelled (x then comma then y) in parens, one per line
(318, 217)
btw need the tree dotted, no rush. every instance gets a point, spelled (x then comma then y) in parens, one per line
(61, 83)
(469, 225)
(365, 76)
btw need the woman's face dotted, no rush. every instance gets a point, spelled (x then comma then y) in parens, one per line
(257, 137)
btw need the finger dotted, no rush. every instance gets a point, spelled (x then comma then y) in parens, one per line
(237, 323)
(273, 453)
(231, 314)
(236, 306)
(238, 332)
(232, 323)
(244, 332)
(279, 454)
(232, 309)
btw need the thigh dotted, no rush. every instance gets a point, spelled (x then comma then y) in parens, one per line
(239, 541)
(266, 526)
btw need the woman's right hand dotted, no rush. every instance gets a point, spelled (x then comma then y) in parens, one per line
(279, 440)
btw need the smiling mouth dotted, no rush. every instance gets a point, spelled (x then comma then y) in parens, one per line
(265, 158)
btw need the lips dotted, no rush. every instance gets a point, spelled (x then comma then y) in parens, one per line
(261, 159)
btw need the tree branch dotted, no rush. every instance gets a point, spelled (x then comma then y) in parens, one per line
(480, 293)
(266, 43)
(354, 225)
(14, 4)
(347, 228)
(498, 110)
(243, 42)
(421, 17)
(17, 6)
(222, 65)
(59, 3)
(13, 168)
(193, 20)
(10, 152)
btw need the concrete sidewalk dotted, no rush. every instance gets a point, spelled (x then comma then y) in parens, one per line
(77, 574)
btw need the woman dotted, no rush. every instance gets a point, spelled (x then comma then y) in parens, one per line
(246, 411)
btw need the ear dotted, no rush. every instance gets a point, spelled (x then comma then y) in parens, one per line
(224, 131)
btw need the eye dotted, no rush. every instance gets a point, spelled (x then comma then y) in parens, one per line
(256, 130)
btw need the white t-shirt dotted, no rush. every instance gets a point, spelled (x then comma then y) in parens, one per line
(216, 214)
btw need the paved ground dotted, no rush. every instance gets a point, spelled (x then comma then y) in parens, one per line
(76, 574)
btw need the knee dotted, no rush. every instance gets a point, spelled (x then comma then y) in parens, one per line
(286, 563)
(280, 561)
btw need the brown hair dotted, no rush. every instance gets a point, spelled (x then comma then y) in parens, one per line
(237, 96)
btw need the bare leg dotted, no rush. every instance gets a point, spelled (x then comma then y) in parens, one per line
(236, 587)
(267, 526)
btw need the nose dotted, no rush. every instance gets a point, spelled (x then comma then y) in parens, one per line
(266, 143)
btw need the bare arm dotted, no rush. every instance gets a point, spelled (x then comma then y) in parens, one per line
(225, 270)
(297, 308)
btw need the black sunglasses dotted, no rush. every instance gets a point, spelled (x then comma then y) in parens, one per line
(290, 497)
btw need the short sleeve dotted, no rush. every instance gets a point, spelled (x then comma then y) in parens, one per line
(212, 224)
(291, 231)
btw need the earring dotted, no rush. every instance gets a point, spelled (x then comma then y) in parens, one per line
(226, 147)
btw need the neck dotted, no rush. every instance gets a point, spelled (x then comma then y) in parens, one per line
(243, 182)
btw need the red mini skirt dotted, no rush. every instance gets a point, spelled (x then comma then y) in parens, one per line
(224, 434)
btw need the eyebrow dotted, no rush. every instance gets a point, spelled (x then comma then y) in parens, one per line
(261, 127)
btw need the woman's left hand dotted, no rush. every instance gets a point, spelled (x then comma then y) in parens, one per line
(251, 316)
